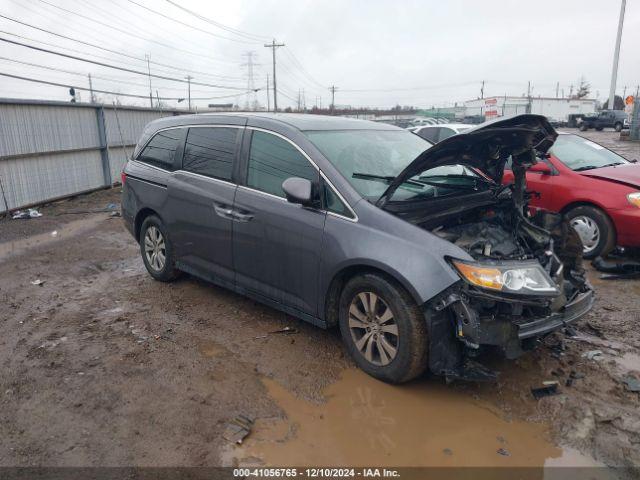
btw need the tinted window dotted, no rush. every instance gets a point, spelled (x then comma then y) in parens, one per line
(430, 134)
(160, 151)
(272, 160)
(210, 151)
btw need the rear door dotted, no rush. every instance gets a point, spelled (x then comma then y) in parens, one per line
(200, 204)
(276, 244)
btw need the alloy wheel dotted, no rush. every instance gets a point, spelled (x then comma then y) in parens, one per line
(373, 328)
(154, 248)
(588, 231)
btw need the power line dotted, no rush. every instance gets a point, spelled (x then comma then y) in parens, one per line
(45, 82)
(89, 44)
(190, 26)
(250, 36)
(165, 45)
(301, 68)
(114, 66)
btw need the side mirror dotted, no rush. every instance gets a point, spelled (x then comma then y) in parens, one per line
(541, 167)
(298, 190)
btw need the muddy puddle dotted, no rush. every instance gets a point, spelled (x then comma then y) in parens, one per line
(68, 230)
(365, 422)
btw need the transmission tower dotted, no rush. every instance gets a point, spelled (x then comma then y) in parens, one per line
(252, 97)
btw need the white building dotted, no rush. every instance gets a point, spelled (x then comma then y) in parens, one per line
(556, 109)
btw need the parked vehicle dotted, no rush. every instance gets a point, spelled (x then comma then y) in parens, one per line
(605, 119)
(437, 133)
(597, 189)
(421, 260)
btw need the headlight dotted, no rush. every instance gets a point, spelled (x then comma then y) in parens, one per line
(513, 277)
(634, 199)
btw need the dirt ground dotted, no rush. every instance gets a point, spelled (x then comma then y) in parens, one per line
(102, 366)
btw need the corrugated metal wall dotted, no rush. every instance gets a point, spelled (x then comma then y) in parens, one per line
(50, 150)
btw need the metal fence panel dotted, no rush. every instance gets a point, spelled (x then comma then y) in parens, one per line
(28, 129)
(50, 150)
(29, 180)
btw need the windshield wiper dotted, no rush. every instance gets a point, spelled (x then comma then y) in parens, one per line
(383, 178)
(592, 167)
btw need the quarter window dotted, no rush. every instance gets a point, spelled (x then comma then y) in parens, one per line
(333, 203)
(272, 160)
(160, 151)
(210, 151)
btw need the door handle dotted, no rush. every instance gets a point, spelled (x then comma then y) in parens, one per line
(222, 210)
(243, 217)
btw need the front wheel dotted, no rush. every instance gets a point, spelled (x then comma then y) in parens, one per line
(594, 229)
(383, 329)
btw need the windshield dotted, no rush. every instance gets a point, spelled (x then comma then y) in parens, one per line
(580, 154)
(378, 154)
(371, 159)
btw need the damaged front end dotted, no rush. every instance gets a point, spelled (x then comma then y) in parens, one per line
(525, 277)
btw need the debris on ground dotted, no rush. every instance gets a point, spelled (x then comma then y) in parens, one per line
(504, 452)
(632, 383)
(593, 355)
(573, 376)
(26, 214)
(447, 451)
(37, 282)
(114, 214)
(238, 429)
(286, 331)
(623, 269)
(549, 388)
(54, 233)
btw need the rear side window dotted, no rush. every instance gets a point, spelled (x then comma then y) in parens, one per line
(160, 151)
(445, 133)
(272, 160)
(210, 151)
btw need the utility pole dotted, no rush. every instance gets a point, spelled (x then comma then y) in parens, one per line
(273, 45)
(158, 97)
(557, 88)
(189, 77)
(268, 100)
(298, 103)
(333, 89)
(616, 57)
(529, 96)
(93, 98)
(482, 90)
(570, 91)
(624, 92)
(150, 89)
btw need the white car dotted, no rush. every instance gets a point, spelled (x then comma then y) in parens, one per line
(437, 133)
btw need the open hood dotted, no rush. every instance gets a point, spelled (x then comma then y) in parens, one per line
(486, 148)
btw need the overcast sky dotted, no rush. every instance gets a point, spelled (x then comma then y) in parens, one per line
(377, 52)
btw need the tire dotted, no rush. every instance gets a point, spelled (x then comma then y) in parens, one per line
(408, 356)
(599, 129)
(583, 127)
(154, 239)
(584, 220)
(618, 127)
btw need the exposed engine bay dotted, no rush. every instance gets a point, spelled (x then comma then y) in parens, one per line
(526, 278)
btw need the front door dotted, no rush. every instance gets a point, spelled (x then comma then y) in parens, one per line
(277, 244)
(200, 202)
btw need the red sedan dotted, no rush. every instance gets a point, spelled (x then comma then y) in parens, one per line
(597, 189)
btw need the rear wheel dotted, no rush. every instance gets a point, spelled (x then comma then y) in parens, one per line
(383, 329)
(594, 228)
(618, 127)
(157, 250)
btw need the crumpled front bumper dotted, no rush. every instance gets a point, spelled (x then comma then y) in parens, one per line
(572, 311)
